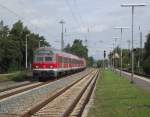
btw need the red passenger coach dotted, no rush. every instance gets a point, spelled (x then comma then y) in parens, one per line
(50, 63)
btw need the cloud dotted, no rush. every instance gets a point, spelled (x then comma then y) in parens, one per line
(42, 23)
(99, 17)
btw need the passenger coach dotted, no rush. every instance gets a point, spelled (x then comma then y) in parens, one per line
(50, 63)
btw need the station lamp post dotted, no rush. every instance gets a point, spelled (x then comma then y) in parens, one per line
(140, 51)
(104, 59)
(121, 31)
(115, 39)
(113, 57)
(62, 35)
(27, 50)
(110, 58)
(133, 6)
(40, 43)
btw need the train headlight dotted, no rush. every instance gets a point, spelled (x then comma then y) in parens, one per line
(44, 66)
(36, 66)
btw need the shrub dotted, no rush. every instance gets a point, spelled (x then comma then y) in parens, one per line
(146, 65)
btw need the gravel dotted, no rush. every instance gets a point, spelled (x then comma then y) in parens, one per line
(9, 84)
(22, 102)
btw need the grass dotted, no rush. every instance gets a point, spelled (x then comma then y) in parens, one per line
(16, 76)
(116, 97)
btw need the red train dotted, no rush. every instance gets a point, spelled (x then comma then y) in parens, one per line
(49, 63)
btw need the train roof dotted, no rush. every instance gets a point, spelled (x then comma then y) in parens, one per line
(59, 52)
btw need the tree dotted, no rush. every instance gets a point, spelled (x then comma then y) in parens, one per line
(67, 48)
(146, 63)
(77, 48)
(147, 46)
(80, 50)
(90, 61)
(100, 63)
(12, 46)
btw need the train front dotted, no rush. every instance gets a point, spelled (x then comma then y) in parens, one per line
(44, 64)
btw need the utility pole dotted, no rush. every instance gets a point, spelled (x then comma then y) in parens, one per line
(104, 59)
(121, 31)
(113, 53)
(86, 42)
(132, 6)
(128, 41)
(115, 39)
(62, 35)
(27, 51)
(40, 43)
(140, 51)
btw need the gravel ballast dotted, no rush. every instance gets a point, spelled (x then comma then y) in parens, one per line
(22, 102)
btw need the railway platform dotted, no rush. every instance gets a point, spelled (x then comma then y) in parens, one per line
(138, 80)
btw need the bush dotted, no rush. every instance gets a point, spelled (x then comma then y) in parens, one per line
(146, 65)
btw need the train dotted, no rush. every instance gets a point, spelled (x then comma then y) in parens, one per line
(52, 63)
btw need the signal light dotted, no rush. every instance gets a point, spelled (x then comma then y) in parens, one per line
(104, 54)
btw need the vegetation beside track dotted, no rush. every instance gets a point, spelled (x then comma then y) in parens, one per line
(16, 76)
(116, 97)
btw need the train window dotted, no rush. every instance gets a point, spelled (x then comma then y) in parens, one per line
(60, 59)
(39, 59)
(48, 59)
(65, 60)
(43, 52)
(72, 61)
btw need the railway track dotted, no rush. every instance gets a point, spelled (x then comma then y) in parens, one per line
(19, 104)
(16, 86)
(69, 101)
(20, 89)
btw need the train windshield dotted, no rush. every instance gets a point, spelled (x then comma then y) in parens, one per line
(39, 59)
(43, 52)
(43, 59)
(48, 59)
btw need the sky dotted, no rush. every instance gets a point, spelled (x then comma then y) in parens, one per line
(91, 20)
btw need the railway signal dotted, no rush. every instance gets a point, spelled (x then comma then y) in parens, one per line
(104, 54)
(104, 59)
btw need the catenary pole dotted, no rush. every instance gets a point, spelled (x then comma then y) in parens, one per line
(121, 33)
(132, 6)
(62, 35)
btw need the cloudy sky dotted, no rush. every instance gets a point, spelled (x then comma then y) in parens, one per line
(93, 20)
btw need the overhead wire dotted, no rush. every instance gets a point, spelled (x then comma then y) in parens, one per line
(86, 36)
(73, 15)
(79, 20)
(22, 18)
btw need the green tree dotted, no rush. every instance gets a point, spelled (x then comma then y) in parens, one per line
(78, 49)
(147, 46)
(90, 61)
(100, 63)
(67, 48)
(12, 46)
(146, 63)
